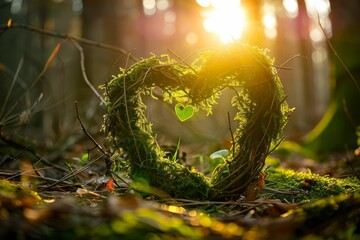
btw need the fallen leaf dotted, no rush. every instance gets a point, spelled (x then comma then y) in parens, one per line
(110, 185)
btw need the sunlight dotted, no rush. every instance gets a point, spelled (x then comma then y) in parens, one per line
(319, 10)
(227, 19)
(315, 7)
(269, 20)
(151, 6)
(291, 7)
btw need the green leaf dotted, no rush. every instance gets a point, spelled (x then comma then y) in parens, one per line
(184, 112)
(85, 157)
(219, 154)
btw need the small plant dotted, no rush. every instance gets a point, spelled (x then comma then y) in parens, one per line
(259, 100)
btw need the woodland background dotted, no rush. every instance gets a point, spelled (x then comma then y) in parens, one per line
(315, 44)
(314, 80)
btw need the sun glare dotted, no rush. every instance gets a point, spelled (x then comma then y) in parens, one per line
(225, 18)
(291, 7)
(269, 20)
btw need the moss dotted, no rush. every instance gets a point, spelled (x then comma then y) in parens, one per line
(16, 194)
(309, 185)
(261, 113)
(333, 215)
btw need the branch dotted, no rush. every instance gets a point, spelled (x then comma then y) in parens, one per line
(107, 157)
(75, 41)
(83, 71)
(232, 134)
(10, 25)
(337, 55)
(86, 132)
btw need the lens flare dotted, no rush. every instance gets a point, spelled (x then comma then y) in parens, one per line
(269, 20)
(291, 7)
(227, 19)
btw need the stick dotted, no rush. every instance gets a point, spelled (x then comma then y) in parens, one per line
(107, 157)
(83, 71)
(337, 55)
(67, 37)
(85, 131)
(232, 135)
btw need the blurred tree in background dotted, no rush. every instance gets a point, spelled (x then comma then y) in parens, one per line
(336, 131)
(315, 81)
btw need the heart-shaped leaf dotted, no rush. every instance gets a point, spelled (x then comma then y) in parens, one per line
(184, 112)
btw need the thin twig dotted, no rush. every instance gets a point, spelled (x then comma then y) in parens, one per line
(30, 150)
(337, 55)
(4, 117)
(182, 60)
(281, 67)
(68, 37)
(107, 156)
(37, 176)
(47, 64)
(75, 41)
(83, 71)
(71, 174)
(351, 165)
(20, 153)
(348, 114)
(127, 113)
(232, 134)
(11, 87)
(86, 132)
(122, 179)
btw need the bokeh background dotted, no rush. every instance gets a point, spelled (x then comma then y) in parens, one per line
(296, 32)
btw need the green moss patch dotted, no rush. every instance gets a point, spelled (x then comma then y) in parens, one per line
(308, 186)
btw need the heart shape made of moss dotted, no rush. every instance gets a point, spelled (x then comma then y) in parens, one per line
(262, 113)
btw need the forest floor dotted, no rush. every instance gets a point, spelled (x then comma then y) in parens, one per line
(69, 196)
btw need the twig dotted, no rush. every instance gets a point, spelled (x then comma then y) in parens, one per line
(182, 60)
(337, 55)
(30, 150)
(232, 134)
(16, 156)
(281, 67)
(123, 180)
(107, 157)
(285, 185)
(276, 144)
(20, 153)
(11, 88)
(16, 174)
(85, 131)
(128, 115)
(5, 119)
(75, 41)
(83, 71)
(66, 36)
(348, 114)
(352, 167)
(71, 174)
(47, 64)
